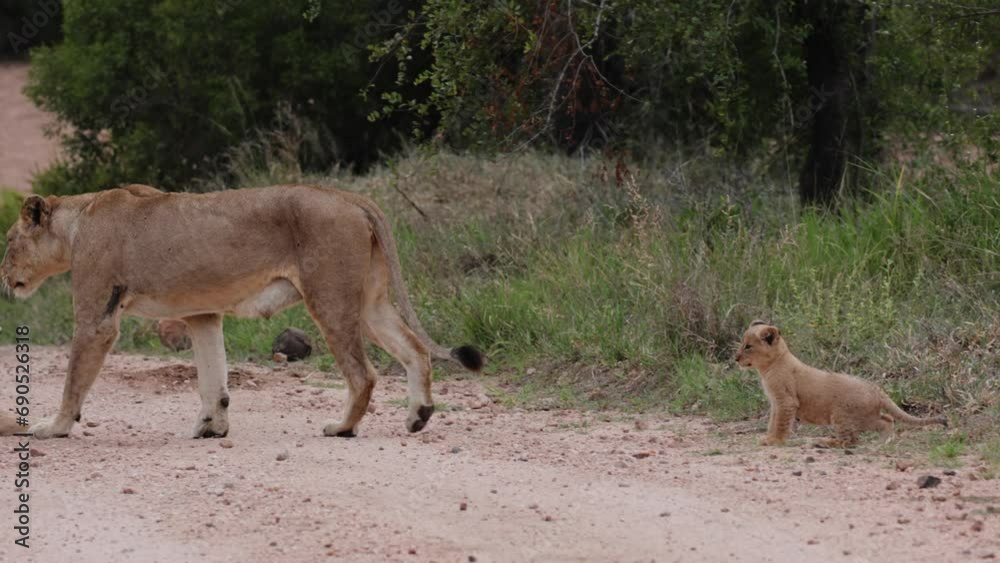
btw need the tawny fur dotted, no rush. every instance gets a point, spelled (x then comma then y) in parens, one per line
(796, 390)
(196, 257)
(9, 425)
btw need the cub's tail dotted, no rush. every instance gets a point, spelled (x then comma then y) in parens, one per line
(898, 414)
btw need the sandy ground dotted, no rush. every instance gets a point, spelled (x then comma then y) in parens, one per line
(481, 483)
(24, 149)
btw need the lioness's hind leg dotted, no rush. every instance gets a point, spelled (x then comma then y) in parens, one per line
(339, 321)
(386, 328)
(360, 376)
(210, 359)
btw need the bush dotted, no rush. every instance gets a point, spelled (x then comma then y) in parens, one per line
(155, 92)
(10, 209)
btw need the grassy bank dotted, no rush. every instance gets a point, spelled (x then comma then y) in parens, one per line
(619, 287)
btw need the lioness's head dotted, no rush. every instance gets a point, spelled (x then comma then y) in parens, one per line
(34, 252)
(762, 344)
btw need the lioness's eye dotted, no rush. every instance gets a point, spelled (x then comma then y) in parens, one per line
(748, 347)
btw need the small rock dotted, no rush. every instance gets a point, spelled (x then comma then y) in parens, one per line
(949, 472)
(282, 455)
(92, 424)
(928, 482)
(128, 491)
(279, 358)
(456, 449)
(641, 425)
(892, 486)
(36, 453)
(664, 514)
(472, 559)
(371, 408)
(463, 506)
(643, 455)
(977, 526)
(797, 473)
(226, 444)
(725, 510)
(294, 344)
(812, 542)
(412, 551)
(810, 459)
(87, 433)
(903, 521)
(904, 464)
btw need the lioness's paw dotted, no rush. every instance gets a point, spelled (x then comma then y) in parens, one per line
(211, 427)
(418, 418)
(339, 430)
(771, 441)
(52, 428)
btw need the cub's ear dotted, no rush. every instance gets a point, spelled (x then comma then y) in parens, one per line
(36, 210)
(770, 335)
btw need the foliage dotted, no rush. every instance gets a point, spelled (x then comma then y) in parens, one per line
(156, 92)
(28, 23)
(581, 75)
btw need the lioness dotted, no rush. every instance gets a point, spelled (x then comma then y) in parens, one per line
(251, 253)
(793, 389)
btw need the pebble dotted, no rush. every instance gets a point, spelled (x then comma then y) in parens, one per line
(36, 453)
(92, 424)
(892, 486)
(128, 491)
(456, 449)
(226, 444)
(282, 455)
(928, 481)
(904, 464)
(977, 526)
(797, 473)
(463, 506)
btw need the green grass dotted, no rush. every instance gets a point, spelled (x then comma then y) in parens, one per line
(633, 296)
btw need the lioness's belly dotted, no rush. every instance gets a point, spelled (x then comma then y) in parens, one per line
(250, 299)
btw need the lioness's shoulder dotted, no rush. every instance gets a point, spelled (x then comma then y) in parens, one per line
(141, 190)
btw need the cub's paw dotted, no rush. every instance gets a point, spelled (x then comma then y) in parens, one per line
(52, 428)
(771, 441)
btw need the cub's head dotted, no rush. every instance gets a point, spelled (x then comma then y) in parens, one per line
(762, 344)
(34, 252)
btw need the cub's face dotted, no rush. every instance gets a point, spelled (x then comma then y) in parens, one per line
(761, 345)
(34, 253)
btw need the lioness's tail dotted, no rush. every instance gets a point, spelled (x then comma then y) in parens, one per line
(898, 414)
(469, 356)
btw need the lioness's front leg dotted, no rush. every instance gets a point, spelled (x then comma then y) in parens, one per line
(210, 358)
(92, 339)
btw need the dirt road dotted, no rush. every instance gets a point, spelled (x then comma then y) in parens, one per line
(24, 149)
(482, 483)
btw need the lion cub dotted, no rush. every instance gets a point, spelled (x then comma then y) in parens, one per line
(849, 404)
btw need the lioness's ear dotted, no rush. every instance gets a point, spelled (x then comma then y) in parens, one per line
(770, 335)
(36, 210)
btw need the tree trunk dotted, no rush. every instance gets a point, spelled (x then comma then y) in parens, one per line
(835, 53)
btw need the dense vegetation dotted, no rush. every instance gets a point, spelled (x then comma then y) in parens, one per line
(816, 92)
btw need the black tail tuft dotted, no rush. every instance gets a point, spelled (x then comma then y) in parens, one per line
(469, 356)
